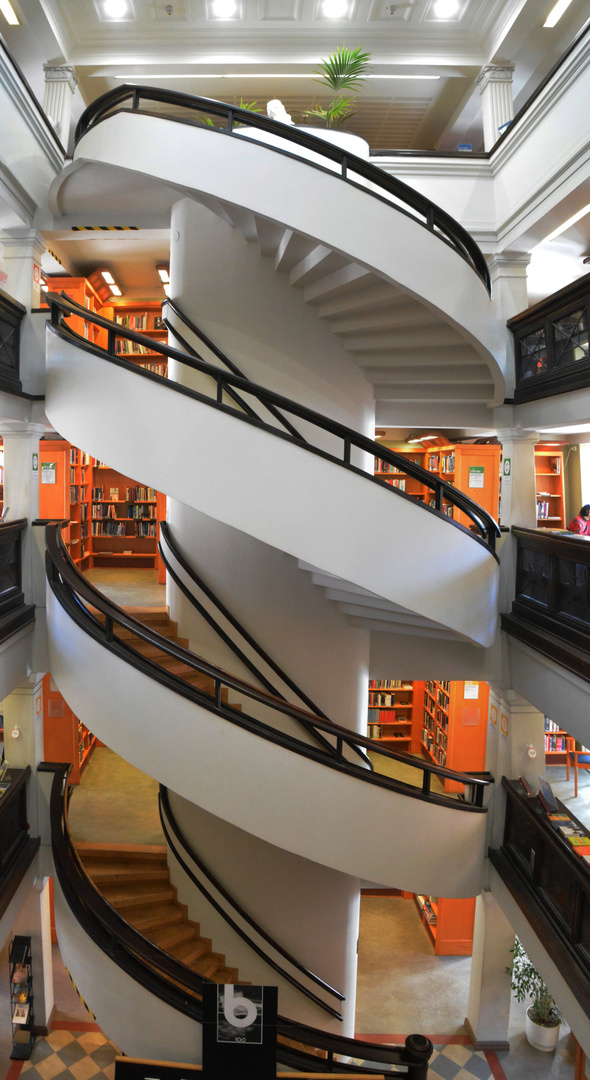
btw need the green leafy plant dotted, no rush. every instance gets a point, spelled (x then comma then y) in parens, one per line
(527, 983)
(344, 70)
(251, 106)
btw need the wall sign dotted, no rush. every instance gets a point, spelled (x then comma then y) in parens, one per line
(239, 1032)
(476, 476)
(48, 472)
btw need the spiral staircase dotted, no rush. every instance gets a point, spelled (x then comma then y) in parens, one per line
(411, 329)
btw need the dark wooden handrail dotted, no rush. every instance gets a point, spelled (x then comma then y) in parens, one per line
(432, 217)
(182, 851)
(225, 382)
(179, 986)
(73, 591)
(223, 359)
(33, 100)
(199, 585)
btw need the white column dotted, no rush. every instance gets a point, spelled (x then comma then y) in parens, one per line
(21, 494)
(23, 736)
(489, 988)
(509, 296)
(22, 251)
(495, 86)
(518, 503)
(60, 85)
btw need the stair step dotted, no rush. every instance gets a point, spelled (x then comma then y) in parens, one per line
(190, 951)
(112, 875)
(122, 897)
(166, 937)
(110, 852)
(155, 916)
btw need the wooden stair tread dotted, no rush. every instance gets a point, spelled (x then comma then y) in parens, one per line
(123, 897)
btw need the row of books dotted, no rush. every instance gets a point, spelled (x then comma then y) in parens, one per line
(426, 905)
(444, 463)
(119, 528)
(401, 484)
(379, 699)
(554, 742)
(132, 322)
(143, 510)
(388, 684)
(138, 493)
(74, 493)
(103, 510)
(550, 725)
(572, 832)
(543, 508)
(385, 466)
(124, 347)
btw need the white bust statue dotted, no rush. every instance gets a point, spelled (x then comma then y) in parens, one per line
(276, 111)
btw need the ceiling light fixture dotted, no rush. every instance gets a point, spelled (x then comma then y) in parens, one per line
(556, 12)
(115, 9)
(253, 75)
(224, 9)
(420, 438)
(445, 9)
(104, 285)
(162, 269)
(567, 224)
(9, 13)
(334, 9)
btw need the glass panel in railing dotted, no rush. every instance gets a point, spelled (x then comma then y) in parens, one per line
(584, 934)
(574, 590)
(570, 339)
(533, 576)
(532, 355)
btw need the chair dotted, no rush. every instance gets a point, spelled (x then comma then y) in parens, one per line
(577, 756)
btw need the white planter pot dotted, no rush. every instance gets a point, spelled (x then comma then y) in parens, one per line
(541, 1037)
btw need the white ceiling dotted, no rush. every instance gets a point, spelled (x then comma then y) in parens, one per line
(185, 49)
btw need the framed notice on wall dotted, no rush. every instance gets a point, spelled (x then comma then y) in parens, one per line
(476, 476)
(48, 472)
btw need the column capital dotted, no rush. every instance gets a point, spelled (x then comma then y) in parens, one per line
(518, 435)
(16, 429)
(62, 73)
(494, 73)
(509, 263)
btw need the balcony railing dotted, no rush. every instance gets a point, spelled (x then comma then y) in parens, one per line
(551, 344)
(550, 883)
(14, 613)
(11, 315)
(551, 609)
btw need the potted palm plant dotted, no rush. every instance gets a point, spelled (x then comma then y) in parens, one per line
(344, 72)
(542, 1017)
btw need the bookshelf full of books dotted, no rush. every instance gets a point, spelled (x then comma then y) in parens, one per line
(549, 487)
(65, 737)
(442, 721)
(470, 467)
(555, 743)
(110, 519)
(146, 318)
(390, 717)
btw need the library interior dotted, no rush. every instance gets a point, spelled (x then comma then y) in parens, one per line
(294, 506)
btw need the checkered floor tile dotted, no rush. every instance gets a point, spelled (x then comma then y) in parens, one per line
(71, 1055)
(458, 1063)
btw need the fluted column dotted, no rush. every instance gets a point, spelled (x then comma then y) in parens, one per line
(495, 86)
(60, 85)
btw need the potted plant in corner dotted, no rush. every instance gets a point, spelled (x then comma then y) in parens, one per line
(542, 1016)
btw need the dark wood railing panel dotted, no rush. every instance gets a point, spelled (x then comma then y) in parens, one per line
(553, 584)
(552, 355)
(11, 316)
(552, 874)
(222, 118)
(11, 537)
(14, 831)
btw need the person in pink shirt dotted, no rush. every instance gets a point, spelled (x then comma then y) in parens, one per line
(581, 522)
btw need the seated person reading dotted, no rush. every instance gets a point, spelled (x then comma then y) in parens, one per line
(581, 522)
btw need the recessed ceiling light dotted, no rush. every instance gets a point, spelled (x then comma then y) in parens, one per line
(556, 12)
(115, 9)
(224, 9)
(9, 13)
(335, 9)
(445, 9)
